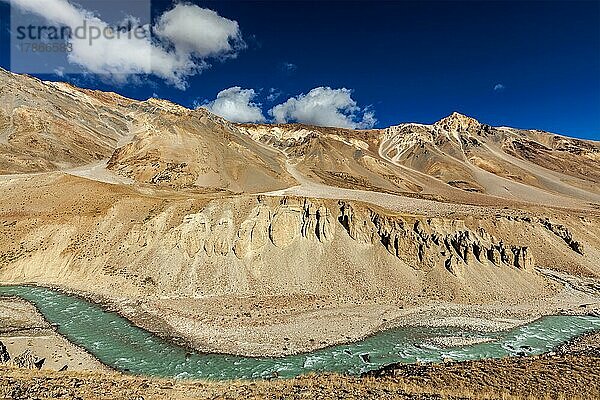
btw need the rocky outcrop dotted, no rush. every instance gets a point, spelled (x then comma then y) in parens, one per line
(523, 257)
(426, 242)
(284, 227)
(458, 123)
(418, 242)
(25, 360)
(4, 356)
(564, 233)
(215, 232)
(253, 233)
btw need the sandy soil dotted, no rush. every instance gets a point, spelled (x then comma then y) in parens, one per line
(100, 173)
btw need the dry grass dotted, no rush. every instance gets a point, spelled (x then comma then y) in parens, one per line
(544, 377)
(547, 376)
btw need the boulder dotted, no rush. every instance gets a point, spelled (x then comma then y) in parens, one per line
(39, 363)
(25, 360)
(4, 356)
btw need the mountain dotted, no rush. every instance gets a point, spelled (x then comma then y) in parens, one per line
(47, 126)
(456, 152)
(180, 148)
(503, 162)
(272, 239)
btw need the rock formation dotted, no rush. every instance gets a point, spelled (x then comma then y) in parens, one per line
(25, 360)
(563, 233)
(4, 356)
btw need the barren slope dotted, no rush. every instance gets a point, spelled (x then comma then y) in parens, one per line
(457, 159)
(183, 148)
(49, 126)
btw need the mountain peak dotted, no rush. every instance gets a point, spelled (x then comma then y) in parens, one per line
(457, 122)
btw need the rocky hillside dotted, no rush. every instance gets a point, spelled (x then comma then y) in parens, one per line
(49, 126)
(46, 126)
(475, 157)
(182, 148)
(456, 152)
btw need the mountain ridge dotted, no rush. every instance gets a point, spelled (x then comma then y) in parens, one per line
(157, 142)
(452, 116)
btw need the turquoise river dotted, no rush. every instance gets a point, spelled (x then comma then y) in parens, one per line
(119, 344)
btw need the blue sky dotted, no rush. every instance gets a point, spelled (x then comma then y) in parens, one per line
(527, 64)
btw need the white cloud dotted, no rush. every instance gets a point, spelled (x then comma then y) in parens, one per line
(199, 31)
(324, 106)
(186, 36)
(499, 87)
(235, 104)
(273, 94)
